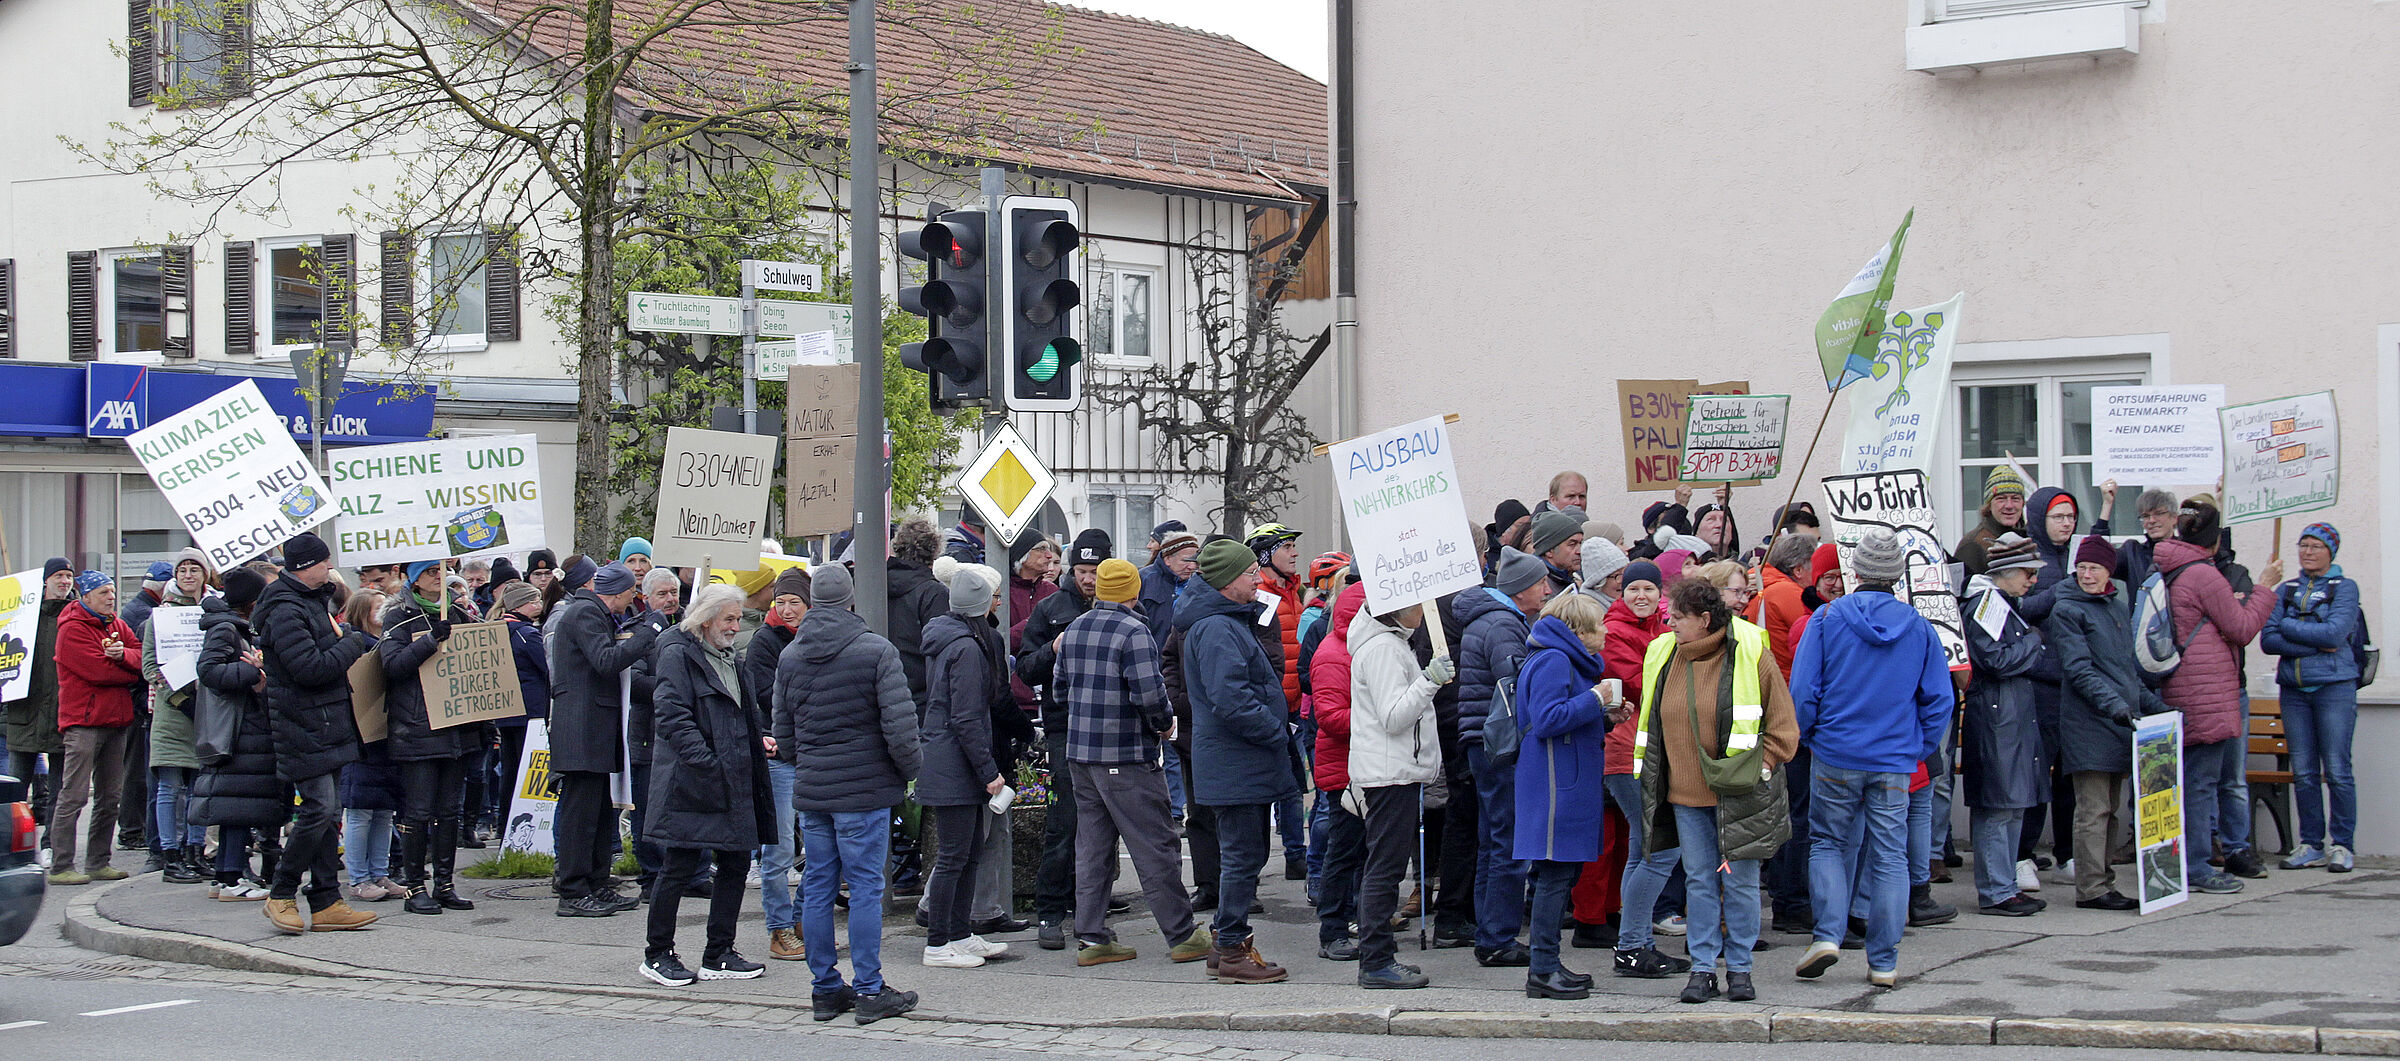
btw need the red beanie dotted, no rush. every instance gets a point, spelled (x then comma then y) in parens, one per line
(1826, 560)
(2096, 550)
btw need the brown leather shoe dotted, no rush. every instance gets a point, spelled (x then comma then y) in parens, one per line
(340, 917)
(285, 913)
(784, 944)
(1415, 904)
(1244, 965)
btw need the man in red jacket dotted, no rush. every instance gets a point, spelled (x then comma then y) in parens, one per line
(99, 667)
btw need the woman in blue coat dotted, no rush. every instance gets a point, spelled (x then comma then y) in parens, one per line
(1559, 771)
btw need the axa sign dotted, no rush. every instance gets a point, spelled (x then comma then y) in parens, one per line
(116, 399)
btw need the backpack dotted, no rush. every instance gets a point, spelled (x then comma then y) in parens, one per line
(1502, 736)
(2155, 646)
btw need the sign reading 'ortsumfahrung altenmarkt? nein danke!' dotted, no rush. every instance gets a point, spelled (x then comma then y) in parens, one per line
(436, 499)
(230, 470)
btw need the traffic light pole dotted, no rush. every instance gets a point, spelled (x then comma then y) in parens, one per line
(869, 525)
(995, 188)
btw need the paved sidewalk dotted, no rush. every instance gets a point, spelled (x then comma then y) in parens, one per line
(2302, 948)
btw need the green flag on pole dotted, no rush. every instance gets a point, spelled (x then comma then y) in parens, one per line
(1846, 334)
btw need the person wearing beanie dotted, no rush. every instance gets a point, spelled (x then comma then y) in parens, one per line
(1510, 520)
(135, 610)
(541, 566)
(2090, 632)
(433, 762)
(1713, 524)
(1039, 640)
(590, 648)
(1780, 603)
(1159, 535)
(1636, 619)
(1178, 558)
(635, 555)
(965, 674)
(1119, 582)
(520, 606)
(99, 685)
(2317, 628)
(1496, 621)
(844, 720)
(1603, 568)
(2003, 511)
(780, 852)
(2007, 762)
(237, 794)
(1557, 540)
(1825, 583)
(171, 753)
(307, 662)
(1872, 691)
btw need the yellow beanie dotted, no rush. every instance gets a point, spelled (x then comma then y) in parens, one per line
(1120, 581)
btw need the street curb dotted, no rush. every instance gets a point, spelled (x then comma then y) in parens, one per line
(86, 927)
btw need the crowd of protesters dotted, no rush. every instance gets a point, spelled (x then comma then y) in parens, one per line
(1624, 738)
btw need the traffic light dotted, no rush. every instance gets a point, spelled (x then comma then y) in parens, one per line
(953, 305)
(1041, 323)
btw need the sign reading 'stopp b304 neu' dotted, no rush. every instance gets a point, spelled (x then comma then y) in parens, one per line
(443, 497)
(712, 496)
(1406, 515)
(230, 470)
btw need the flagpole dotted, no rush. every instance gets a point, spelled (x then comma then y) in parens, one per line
(1803, 471)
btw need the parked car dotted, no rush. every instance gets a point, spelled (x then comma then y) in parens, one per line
(21, 877)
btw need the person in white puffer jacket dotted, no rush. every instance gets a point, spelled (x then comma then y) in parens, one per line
(1394, 754)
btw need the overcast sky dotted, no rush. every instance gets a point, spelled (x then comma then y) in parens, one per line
(1291, 32)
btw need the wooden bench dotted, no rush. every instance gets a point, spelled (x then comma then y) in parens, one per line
(2271, 788)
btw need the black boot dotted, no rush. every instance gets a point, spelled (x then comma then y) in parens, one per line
(183, 866)
(1922, 910)
(445, 865)
(412, 846)
(270, 856)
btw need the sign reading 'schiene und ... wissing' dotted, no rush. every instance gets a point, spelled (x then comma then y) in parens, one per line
(1406, 515)
(443, 497)
(230, 470)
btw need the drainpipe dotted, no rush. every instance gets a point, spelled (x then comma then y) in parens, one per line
(1345, 230)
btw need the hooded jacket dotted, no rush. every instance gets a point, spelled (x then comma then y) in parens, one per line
(843, 718)
(2058, 561)
(1629, 638)
(962, 676)
(1491, 649)
(308, 678)
(407, 643)
(759, 659)
(708, 773)
(916, 598)
(1393, 739)
(1560, 766)
(2008, 767)
(1036, 658)
(533, 669)
(587, 661)
(1329, 691)
(2314, 622)
(1158, 599)
(33, 719)
(1779, 606)
(94, 690)
(2207, 688)
(2103, 691)
(1241, 729)
(1170, 663)
(1870, 685)
(242, 789)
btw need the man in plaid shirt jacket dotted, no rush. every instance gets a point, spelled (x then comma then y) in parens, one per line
(1107, 677)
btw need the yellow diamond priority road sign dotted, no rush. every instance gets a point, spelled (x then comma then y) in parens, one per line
(1007, 484)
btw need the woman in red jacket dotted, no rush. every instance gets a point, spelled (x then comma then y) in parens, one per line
(1345, 833)
(99, 667)
(2214, 627)
(1635, 620)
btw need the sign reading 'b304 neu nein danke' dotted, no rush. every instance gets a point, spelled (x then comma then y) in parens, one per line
(712, 496)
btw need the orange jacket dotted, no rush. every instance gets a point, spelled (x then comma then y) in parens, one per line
(1777, 606)
(1288, 607)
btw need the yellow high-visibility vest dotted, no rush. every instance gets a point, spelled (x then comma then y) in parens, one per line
(1749, 700)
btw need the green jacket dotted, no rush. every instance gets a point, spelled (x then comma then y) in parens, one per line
(172, 732)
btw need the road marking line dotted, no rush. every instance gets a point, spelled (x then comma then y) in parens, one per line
(21, 1024)
(137, 1009)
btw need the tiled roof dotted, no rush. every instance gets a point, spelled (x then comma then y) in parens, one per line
(1103, 96)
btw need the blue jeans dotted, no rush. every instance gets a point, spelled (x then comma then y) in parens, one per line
(1721, 891)
(1645, 876)
(2320, 723)
(1174, 768)
(170, 787)
(1242, 855)
(1553, 883)
(852, 847)
(1499, 877)
(1996, 835)
(2233, 793)
(366, 843)
(1320, 830)
(1920, 848)
(1853, 812)
(2204, 770)
(775, 859)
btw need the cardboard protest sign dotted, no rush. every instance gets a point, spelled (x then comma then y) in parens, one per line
(175, 639)
(20, 616)
(2281, 457)
(1896, 407)
(1653, 413)
(1902, 502)
(437, 499)
(533, 807)
(2158, 839)
(366, 698)
(2157, 435)
(821, 419)
(712, 496)
(230, 470)
(1405, 514)
(472, 677)
(1730, 437)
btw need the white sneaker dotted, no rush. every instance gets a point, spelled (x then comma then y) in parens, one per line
(2028, 878)
(951, 956)
(45, 860)
(1668, 926)
(2065, 873)
(752, 880)
(2338, 859)
(980, 947)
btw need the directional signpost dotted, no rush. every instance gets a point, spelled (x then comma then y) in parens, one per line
(1007, 484)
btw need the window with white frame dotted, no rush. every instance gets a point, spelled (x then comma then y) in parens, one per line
(455, 267)
(1122, 313)
(133, 294)
(1955, 10)
(2038, 414)
(292, 273)
(1127, 513)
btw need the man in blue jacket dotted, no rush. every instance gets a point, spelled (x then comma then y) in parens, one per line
(1871, 690)
(1498, 618)
(1241, 742)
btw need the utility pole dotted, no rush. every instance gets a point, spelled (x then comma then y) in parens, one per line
(870, 525)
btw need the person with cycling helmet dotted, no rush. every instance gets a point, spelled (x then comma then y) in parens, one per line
(1278, 552)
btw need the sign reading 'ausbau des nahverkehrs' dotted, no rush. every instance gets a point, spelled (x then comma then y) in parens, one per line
(443, 497)
(1406, 516)
(230, 470)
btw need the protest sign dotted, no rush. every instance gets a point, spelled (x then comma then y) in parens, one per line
(2281, 457)
(175, 639)
(1896, 407)
(712, 496)
(1406, 517)
(1902, 502)
(472, 677)
(20, 617)
(1730, 437)
(1653, 413)
(2162, 436)
(366, 698)
(533, 807)
(229, 468)
(821, 419)
(2158, 810)
(437, 499)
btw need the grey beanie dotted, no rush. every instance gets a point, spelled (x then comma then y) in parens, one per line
(611, 580)
(829, 587)
(1517, 570)
(1601, 558)
(1551, 530)
(971, 589)
(1878, 557)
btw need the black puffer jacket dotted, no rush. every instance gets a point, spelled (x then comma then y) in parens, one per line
(308, 678)
(640, 717)
(708, 778)
(2092, 637)
(916, 599)
(242, 790)
(407, 643)
(758, 670)
(959, 688)
(843, 717)
(1034, 664)
(587, 730)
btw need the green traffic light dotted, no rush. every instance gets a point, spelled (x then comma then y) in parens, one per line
(1044, 368)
